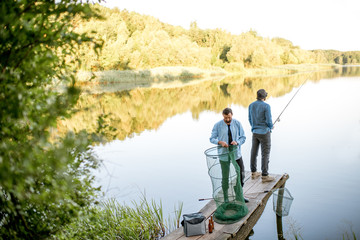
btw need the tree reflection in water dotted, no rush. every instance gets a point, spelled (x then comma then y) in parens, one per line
(135, 109)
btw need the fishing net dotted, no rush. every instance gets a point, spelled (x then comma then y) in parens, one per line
(282, 201)
(225, 176)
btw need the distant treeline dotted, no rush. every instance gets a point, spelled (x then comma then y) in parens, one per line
(334, 56)
(135, 41)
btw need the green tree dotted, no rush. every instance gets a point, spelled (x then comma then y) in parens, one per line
(135, 41)
(225, 50)
(45, 181)
(339, 59)
(243, 46)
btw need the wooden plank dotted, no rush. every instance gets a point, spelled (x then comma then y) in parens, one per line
(254, 189)
(225, 231)
(244, 231)
(174, 235)
(209, 209)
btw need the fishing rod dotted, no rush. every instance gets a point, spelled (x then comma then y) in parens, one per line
(278, 118)
(204, 199)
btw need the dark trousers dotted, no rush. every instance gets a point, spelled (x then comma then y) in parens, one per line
(263, 140)
(240, 162)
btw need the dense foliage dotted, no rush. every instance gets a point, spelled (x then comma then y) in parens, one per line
(134, 41)
(44, 182)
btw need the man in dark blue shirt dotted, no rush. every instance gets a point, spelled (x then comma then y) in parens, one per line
(261, 126)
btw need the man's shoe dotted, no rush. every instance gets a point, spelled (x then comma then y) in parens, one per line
(246, 200)
(267, 178)
(255, 175)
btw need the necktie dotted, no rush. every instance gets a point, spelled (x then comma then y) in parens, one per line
(229, 135)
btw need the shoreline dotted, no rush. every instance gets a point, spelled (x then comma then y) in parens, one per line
(184, 74)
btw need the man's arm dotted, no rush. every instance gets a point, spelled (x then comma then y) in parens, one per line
(214, 135)
(268, 117)
(250, 120)
(241, 138)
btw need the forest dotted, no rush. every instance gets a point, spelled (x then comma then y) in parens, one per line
(133, 41)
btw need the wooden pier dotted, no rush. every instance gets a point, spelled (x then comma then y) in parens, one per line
(258, 194)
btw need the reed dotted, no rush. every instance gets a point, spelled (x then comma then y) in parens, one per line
(349, 236)
(294, 231)
(112, 220)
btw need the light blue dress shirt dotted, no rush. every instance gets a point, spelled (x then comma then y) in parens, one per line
(260, 117)
(220, 133)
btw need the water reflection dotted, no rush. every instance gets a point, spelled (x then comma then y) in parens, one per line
(316, 143)
(137, 109)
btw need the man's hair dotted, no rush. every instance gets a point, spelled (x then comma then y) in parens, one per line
(261, 94)
(226, 111)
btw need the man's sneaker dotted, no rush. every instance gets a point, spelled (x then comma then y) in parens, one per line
(267, 178)
(255, 175)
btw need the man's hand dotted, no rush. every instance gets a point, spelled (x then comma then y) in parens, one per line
(223, 144)
(233, 143)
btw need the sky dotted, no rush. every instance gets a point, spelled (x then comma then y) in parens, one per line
(309, 24)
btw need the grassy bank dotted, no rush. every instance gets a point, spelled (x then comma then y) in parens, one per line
(160, 74)
(288, 69)
(168, 74)
(112, 220)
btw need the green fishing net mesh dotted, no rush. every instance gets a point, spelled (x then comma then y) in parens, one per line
(225, 176)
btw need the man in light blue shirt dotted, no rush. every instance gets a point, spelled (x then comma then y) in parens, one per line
(261, 125)
(229, 133)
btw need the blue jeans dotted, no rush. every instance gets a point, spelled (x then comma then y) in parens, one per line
(263, 140)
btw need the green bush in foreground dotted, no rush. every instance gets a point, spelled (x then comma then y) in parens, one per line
(44, 182)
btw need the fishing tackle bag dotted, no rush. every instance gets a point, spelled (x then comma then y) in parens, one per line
(194, 224)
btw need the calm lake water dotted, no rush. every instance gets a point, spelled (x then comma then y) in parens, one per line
(163, 133)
